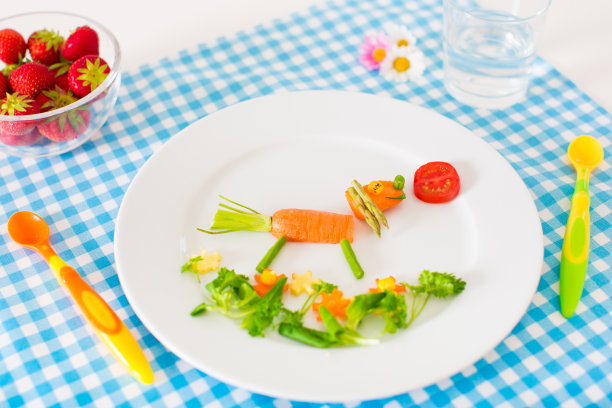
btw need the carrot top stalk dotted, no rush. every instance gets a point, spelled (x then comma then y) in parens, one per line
(234, 219)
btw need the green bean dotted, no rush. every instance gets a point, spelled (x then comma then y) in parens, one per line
(199, 309)
(306, 335)
(271, 254)
(331, 324)
(398, 182)
(351, 258)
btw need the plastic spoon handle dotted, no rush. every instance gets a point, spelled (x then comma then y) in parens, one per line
(575, 252)
(106, 324)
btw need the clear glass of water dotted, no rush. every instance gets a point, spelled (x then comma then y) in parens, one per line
(489, 49)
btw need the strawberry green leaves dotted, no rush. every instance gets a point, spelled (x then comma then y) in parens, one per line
(86, 74)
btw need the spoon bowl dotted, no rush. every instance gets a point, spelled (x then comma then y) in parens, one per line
(28, 229)
(586, 152)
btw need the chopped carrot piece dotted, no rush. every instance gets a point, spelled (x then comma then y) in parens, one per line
(265, 281)
(335, 302)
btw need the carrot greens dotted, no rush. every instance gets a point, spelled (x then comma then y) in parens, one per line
(231, 219)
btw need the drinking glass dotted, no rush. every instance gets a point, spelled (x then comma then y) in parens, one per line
(490, 48)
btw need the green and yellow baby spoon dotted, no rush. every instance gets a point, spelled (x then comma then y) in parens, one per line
(585, 153)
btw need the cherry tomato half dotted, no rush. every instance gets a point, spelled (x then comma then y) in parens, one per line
(436, 182)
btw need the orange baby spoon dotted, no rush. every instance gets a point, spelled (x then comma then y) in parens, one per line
(31, 231)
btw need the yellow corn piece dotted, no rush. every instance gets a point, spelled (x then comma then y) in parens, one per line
(386, 283)
(268, 277)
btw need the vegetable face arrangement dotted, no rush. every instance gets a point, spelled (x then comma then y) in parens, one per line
(260, 307)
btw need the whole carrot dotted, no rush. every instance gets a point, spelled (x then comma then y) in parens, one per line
(294, 224)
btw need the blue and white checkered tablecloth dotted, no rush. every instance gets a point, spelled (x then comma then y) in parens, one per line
(49, 356)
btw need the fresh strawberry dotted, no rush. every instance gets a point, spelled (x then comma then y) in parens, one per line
(86, 74)
(4, 86)
(20, 140)
(31, 78)
(18, 105)
(60, 70)
(45, 46)
(66, 126)
(83, 41)
(12, 46)
(55, 98)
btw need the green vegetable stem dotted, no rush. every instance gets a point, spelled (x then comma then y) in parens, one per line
(351, 258)
(271, 254)
(312, 337)
(398, 182)
(437, 284)
(233, 296)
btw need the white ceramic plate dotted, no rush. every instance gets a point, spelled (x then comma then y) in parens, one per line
(302, 150)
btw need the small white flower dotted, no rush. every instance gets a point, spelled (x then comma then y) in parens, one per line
(400, 36)
(403, 64)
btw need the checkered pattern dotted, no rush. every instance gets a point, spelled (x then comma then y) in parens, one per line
(48, 355)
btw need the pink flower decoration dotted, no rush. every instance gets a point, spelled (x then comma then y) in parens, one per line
(374, 50)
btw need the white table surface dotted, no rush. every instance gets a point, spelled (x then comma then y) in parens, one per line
(577, 38)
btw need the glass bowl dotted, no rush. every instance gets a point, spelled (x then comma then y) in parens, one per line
(93, 108)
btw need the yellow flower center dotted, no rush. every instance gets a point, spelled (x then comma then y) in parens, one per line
(376, 187)
(379, 54)
(401, 64)
(402, 43)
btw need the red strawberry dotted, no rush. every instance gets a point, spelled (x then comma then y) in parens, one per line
(12, 46)
(83, 41)
(31, 78)
(18, 105)
(55, 98)
(4, 85)
(60, 70)
(66, 126)
(86, 74)
(45, 46)
(20, 140)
